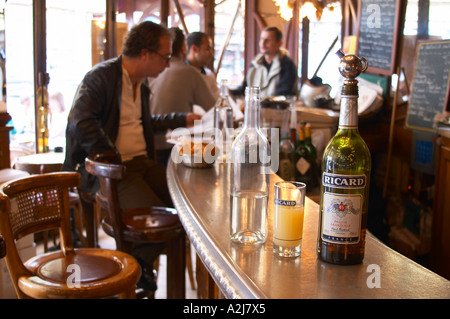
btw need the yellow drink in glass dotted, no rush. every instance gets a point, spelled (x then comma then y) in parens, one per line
(288, 226)
(289, 208)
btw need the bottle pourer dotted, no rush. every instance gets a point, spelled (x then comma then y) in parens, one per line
(350, 67)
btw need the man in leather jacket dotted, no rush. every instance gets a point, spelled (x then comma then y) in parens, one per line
(99, 120)
(111, 113)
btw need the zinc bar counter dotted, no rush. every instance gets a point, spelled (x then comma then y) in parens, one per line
(202, 198)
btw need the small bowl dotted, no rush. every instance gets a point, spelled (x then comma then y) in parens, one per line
(198, 159)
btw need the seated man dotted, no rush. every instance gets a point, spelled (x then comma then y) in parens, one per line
(177, 89)
(111, 113)
(200, 54)
(272, 70)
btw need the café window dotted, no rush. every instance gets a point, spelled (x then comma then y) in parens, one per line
(229, 37)
(69, 55)
(324, 27)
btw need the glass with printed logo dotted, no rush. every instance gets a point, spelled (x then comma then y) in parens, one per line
(289, 210)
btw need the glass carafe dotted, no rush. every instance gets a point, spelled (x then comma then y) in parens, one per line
(251, 171)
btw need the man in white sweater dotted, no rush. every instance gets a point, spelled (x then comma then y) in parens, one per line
(272, 69)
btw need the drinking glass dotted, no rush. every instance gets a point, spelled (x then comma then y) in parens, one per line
(289, 203)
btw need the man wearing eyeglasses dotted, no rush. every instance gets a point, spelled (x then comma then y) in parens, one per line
(111, 113)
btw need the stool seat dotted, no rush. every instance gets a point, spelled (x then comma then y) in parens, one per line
(53, 276)
(156, 224)
(55, 267)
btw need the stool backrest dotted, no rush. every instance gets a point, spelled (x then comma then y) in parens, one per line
(109, 171)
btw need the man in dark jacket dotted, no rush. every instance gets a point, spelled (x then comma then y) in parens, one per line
(111, 113)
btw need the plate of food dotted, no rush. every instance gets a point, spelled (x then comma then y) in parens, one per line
(197, 154)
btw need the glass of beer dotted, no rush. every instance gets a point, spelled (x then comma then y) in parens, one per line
(289, 203)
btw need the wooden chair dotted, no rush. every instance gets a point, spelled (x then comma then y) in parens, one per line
(41, 202)
(140, 225)
(85, 221)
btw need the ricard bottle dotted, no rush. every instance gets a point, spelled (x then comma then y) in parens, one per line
(223, 122)
(345, 176)
(250, 173)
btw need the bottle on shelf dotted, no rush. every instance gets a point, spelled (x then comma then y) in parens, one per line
(304, 166)
(287, 151)
(308, 142)
(42, 138)
(43, 113)
(293, 124)
(251, 170)
(314, 182)
(346, 166)
(223, 123)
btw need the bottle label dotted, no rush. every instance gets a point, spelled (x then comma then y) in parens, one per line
(344, 181)
(303, 165)
(341, 219)
(282, 202)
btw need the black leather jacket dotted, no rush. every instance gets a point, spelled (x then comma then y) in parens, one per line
(93, 122)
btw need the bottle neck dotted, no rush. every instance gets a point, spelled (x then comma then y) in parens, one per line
(308, 132)
(223, 92)
(301, 135)
(348, 118)
(252, 109)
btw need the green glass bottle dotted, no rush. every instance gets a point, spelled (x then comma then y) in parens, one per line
(286, 161)
(346, 166)
(304, 164)
(308, 142)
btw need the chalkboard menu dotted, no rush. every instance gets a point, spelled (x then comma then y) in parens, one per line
(430, 88)
(379, 22)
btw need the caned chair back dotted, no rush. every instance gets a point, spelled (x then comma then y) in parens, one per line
(39, 203)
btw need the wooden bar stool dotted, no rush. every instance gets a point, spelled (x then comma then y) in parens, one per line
(41, 202)
(84, 216)
(141, 225)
